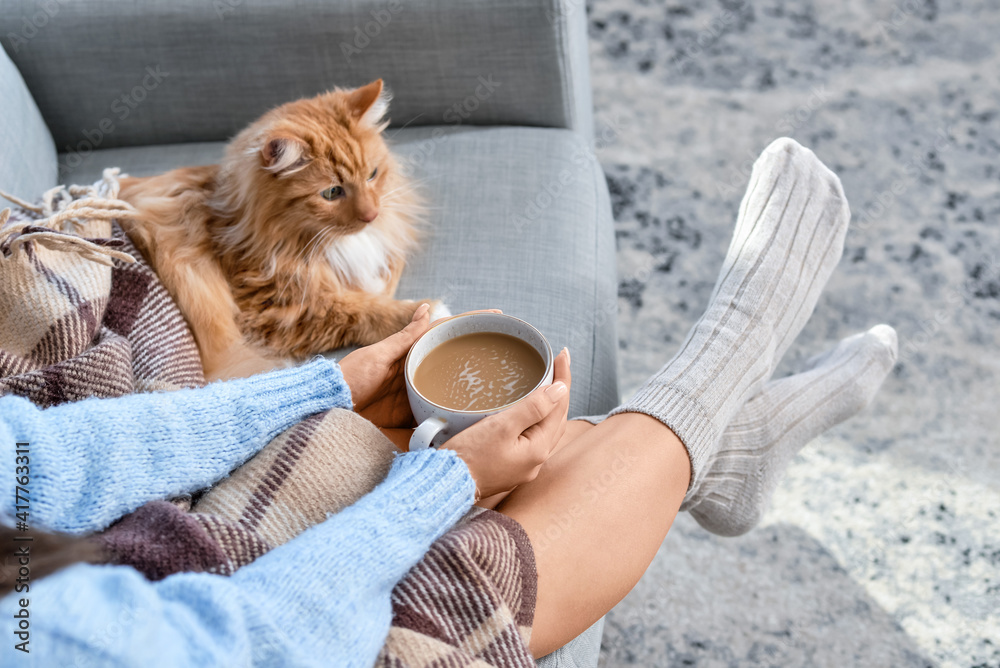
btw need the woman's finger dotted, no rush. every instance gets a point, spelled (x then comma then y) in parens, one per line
(561, 367)
(421, 311)
(399, 343)
(532, 409)
(560, 374)
(547, 431)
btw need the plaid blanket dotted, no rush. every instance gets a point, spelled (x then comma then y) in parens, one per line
(82, 315)
(79, 316)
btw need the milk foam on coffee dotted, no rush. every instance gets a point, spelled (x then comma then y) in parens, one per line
(480, 371)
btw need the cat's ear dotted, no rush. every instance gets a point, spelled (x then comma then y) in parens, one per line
(283, 154)
(369, 103)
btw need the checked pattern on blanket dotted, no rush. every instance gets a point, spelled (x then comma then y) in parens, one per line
(82, 315)
(85, 319)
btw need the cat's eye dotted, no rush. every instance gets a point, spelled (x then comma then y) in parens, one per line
(332, 193)
(374, 174)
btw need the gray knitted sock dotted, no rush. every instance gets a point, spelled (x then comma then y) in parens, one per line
(789, 237)
(774, 425)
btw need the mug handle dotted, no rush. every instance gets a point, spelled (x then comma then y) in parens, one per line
(425, 433)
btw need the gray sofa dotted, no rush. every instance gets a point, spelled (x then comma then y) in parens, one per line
(492, 112)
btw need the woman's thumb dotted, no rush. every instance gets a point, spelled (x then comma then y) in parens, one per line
(535, 407)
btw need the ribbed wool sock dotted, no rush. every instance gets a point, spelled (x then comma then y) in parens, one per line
(777, 423)
(788, 239)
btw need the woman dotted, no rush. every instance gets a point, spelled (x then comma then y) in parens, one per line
(709, 431)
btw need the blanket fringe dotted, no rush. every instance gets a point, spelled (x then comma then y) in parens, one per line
(70, 207)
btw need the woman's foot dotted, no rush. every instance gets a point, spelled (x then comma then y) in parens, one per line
(774, 425)
(788, 239)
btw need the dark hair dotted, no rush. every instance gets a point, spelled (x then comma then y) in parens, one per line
(47, 553)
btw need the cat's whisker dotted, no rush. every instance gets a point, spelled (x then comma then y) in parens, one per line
(398, 192)
(395, 196)
(407, 208)
(305, 248)
(309, 276)
(299, 255)
(409, 185)
(317, 246)
(420, 181)
(405, 124)
(413, 183)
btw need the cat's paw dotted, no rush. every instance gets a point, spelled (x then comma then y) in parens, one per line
(439, 310)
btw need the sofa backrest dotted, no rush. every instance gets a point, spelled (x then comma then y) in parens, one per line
(107, 74)
(27, 153)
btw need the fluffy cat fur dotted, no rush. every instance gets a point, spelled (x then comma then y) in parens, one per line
(264, 264)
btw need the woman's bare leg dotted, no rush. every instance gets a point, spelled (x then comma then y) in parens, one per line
(596, 514)
(574, 429)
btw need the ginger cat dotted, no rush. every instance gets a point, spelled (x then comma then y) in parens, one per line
(293, 245)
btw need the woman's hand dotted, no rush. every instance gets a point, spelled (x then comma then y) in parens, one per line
(507, 449)
(375, 374)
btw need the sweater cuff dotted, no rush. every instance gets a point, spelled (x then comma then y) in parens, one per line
(290, 394)
(433, 486)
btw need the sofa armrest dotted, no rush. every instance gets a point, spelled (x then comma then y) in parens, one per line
(107, 74)
(27, 154)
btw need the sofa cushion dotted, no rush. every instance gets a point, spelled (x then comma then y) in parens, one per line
(28, 162)
(520, 220)
(109, 74)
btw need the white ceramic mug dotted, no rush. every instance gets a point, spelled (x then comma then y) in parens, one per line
(437, 423)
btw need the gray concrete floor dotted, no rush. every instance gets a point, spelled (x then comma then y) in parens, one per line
(881, 547)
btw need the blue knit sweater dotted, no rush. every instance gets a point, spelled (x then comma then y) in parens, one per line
(321, 599)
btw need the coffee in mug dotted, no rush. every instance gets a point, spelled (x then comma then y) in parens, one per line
(469, 367)
(479, 371)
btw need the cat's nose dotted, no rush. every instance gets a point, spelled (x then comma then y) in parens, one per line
(368, 215)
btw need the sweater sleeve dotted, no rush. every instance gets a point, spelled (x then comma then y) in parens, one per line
(90, 462)
(320, 599)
